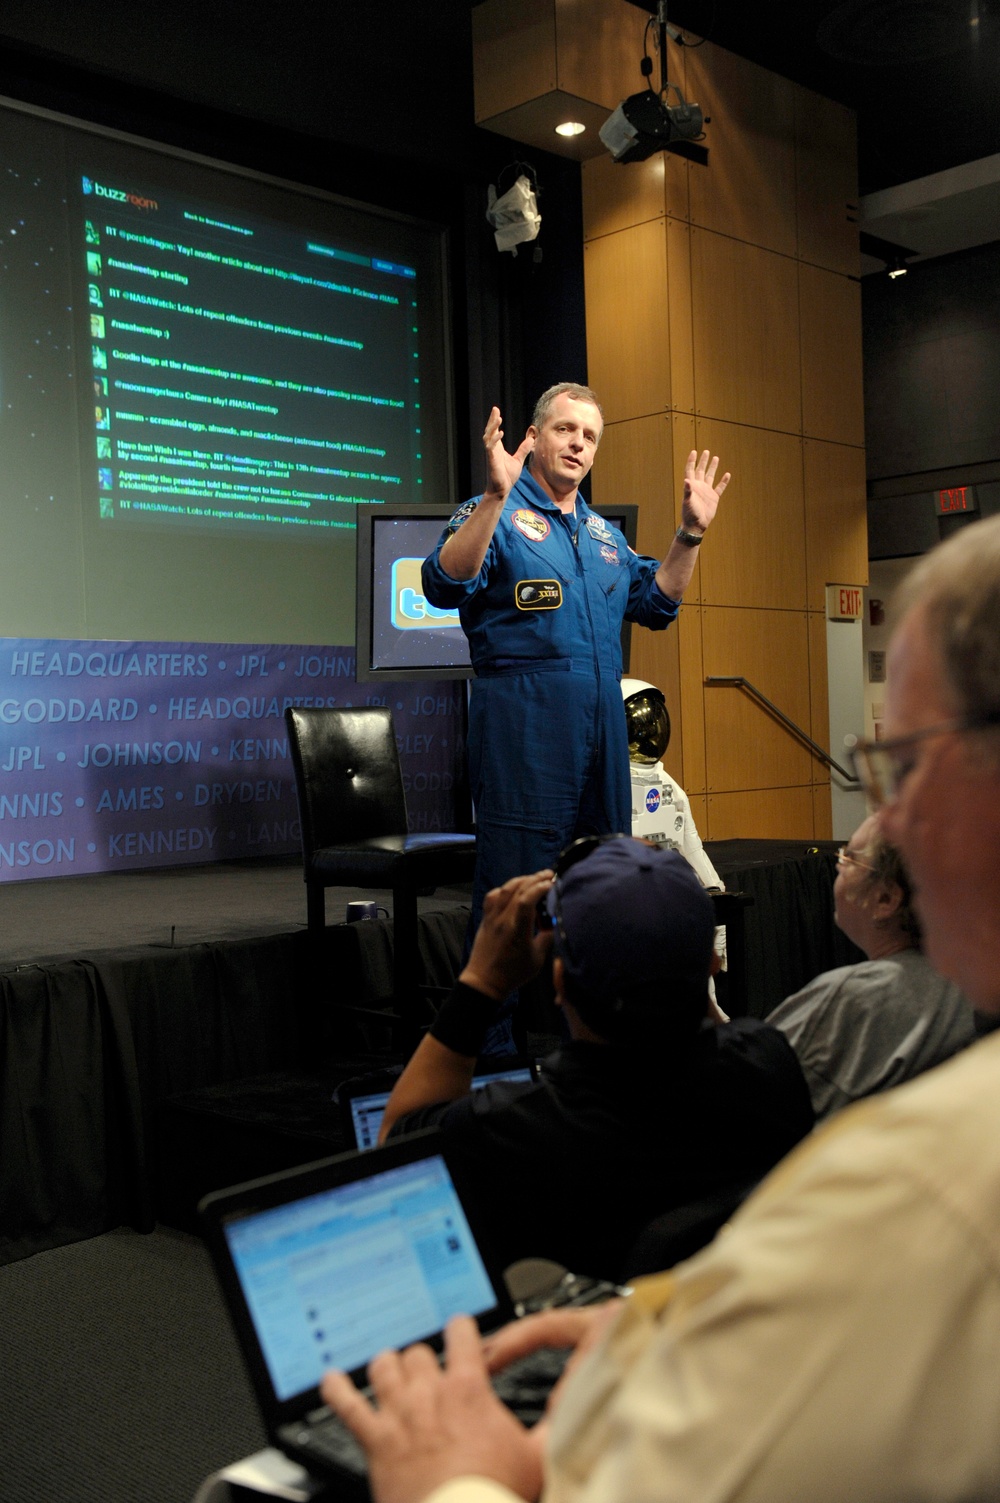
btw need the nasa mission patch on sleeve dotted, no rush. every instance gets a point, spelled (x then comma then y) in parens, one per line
(460, 516)
(538, 594)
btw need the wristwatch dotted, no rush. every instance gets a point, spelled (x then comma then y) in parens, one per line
(688, 539)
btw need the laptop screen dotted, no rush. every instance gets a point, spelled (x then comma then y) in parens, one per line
(368, 1110)
(333, 1278)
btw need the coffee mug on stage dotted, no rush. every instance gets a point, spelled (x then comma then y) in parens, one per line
(364, 910)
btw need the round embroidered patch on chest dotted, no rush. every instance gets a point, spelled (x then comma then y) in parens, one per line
(531, 525)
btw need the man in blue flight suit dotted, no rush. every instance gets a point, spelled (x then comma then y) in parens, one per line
(542, 585)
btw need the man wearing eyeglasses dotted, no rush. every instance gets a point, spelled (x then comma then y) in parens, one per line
(841, 1339)
(646, 1108)
(866, 1027)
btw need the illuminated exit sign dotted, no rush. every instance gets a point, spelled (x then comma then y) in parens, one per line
(844, 602)
(957, 498)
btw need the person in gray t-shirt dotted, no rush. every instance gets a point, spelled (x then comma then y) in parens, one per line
(863, 1028)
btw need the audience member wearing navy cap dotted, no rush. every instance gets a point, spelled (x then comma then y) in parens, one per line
(617, 915)
(647, 1108)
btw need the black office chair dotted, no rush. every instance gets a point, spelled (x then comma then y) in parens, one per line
(352, 810)
(681, 1232)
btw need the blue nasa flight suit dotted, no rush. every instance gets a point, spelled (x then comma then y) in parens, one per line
(548, 749)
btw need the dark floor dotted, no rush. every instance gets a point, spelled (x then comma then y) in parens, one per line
(122, 1379)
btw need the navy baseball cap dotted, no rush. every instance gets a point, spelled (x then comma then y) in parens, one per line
(634, 929)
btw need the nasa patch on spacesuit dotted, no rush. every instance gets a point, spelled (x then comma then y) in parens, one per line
(538, 594)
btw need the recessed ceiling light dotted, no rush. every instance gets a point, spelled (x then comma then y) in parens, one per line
(570, 128)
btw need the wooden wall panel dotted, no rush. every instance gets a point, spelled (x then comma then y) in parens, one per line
(513, 53)
(746, 333)
(598, 47)
(755, 553)
(628, 346)
(635, 464)
(680, 320)
(832, 393)
(818, 724)
(764, 814)
(699, 810)
(748, 190)
(642, 461)
(656, 659)
(822, 813)
(690, 628)
(617, 198)
(836, 512)
(827, 183)
(745, 746)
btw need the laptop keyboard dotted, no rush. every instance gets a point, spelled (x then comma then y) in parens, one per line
(324, 1441)
(524, 1387)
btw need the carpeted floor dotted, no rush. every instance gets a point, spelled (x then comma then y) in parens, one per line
(122, 1382)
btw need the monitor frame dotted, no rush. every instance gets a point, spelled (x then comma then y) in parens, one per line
(625, 518)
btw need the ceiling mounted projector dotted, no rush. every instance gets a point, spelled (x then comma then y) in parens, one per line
(644, 124)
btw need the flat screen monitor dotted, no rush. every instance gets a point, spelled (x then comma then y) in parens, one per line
(399, 634)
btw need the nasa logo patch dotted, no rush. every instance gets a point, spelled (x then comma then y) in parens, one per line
(531, 525)
(538, 594)
(609, 555)
(652, 800)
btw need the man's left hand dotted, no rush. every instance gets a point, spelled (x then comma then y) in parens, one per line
(433, 1424)
(701, 493)
(508, 949)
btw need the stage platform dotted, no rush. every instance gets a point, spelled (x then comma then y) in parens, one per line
(121, 994)
(64, 918)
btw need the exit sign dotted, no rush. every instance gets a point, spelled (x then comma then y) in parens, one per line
(957, 498)
(844, 602)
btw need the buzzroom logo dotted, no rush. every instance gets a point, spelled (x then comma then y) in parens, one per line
(117, 195)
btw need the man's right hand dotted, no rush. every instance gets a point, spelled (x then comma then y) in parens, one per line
(462, 554)
(503, 470)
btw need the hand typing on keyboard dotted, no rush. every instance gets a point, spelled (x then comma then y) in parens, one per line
(434, 1423)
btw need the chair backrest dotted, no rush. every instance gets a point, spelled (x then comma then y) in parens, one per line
(685, 1230)
(347, 775)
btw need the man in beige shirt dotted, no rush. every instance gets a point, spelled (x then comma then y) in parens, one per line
(840, 1338)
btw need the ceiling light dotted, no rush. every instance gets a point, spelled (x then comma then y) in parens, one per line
(897, 267)
(570, 128)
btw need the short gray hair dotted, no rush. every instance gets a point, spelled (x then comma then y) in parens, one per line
(957, 587)
(571, 389)
(888, 869)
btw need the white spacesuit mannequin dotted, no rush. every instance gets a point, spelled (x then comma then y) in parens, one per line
(660, 807)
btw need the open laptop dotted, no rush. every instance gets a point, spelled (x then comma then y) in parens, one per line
(363, 1099)
(326, 1265)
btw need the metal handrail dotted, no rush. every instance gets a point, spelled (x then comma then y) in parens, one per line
(814, 747)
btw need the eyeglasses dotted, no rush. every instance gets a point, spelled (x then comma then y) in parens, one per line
(881, 766)
(844, 858)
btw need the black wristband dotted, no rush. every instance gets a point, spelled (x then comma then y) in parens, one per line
(463, 1020)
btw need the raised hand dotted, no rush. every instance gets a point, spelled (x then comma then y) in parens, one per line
(701, 493)
(508, 949)
(502, 469)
